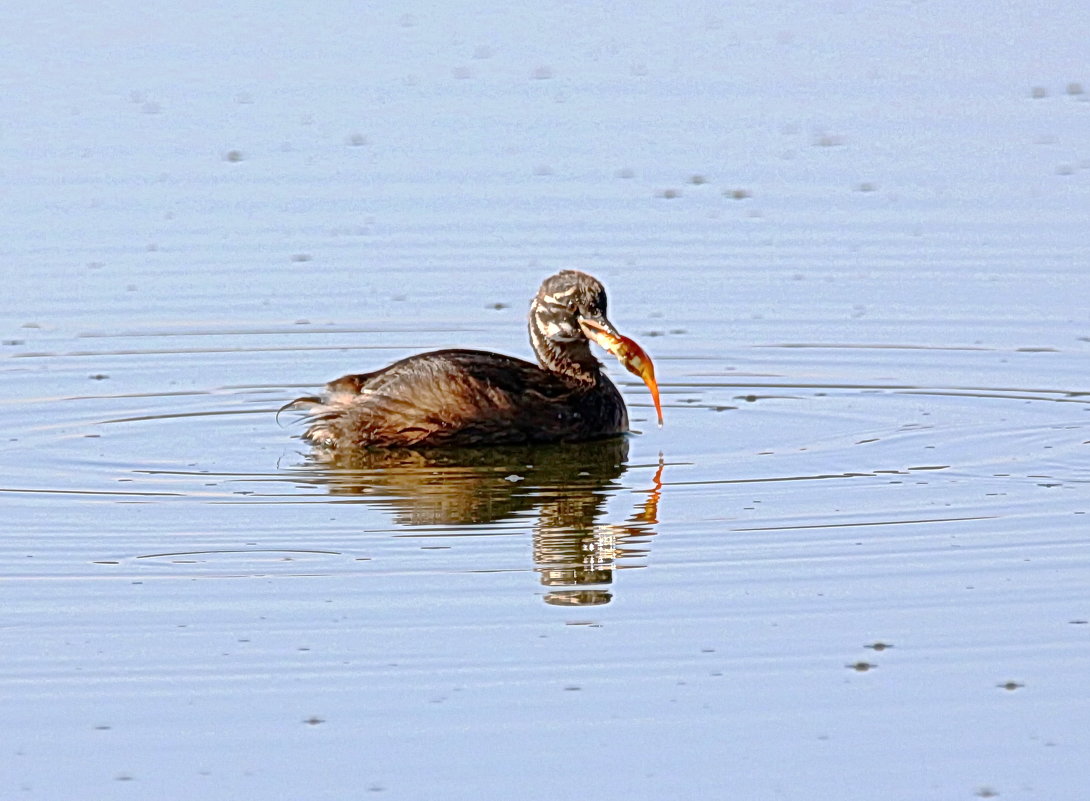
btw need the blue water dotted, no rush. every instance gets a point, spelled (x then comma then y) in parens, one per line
(851, 565)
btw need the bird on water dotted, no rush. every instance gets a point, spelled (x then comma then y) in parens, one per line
(456, 398)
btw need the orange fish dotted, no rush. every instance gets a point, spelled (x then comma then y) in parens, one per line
(628, 353)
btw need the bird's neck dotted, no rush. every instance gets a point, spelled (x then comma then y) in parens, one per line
(572, 360)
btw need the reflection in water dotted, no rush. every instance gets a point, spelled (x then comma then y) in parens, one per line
(568, 486)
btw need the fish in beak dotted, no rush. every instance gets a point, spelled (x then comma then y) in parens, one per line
(628, 353)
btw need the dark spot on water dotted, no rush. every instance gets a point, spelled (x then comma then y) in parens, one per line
(861, 667)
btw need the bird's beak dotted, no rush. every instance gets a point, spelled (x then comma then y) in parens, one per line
(628, 353)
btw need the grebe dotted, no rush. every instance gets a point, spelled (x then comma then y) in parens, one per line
(455, 398)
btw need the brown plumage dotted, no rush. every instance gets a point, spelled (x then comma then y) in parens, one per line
(454, 398)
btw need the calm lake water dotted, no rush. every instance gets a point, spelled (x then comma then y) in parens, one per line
(853, 564)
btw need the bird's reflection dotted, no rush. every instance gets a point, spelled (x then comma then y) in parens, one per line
(575, 551)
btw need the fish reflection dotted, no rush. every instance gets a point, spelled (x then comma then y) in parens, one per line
(568, 485)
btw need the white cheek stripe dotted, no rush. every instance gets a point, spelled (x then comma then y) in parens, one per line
(554, 297)
(560, 333)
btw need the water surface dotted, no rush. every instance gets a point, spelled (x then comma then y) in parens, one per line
(852, 564)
